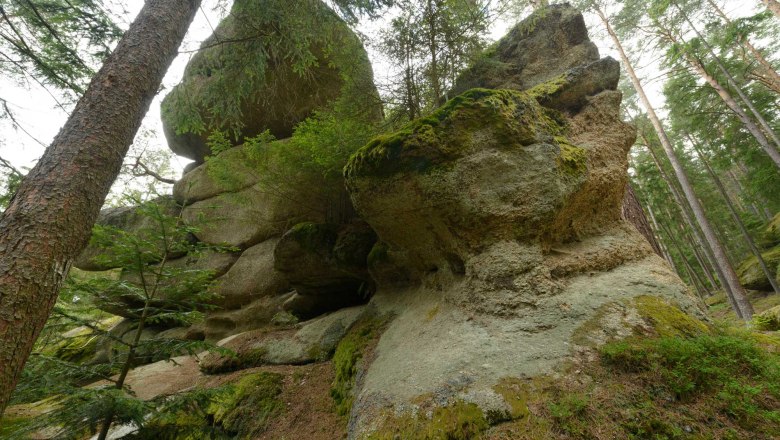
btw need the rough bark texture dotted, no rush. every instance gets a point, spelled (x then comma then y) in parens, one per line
(736, 293)
(632, 212)
(49, 220)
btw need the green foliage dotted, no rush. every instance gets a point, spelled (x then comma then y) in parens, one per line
(152, 289)
(730, 365)
(55, 42)
(431, 42)
(242, 409)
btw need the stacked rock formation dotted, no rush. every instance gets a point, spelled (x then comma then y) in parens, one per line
(503, 250)
(488, 241)
(276, 267)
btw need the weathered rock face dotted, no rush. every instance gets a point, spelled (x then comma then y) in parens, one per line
(504, 254)
(126, 218)
(327, 260)
(282, 96)
(240, 199)
(536, 51)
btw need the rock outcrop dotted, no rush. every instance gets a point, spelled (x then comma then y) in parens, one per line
(277, 95)
(488, 241)
(503, 207)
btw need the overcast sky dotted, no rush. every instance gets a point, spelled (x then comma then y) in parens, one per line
(40, 118)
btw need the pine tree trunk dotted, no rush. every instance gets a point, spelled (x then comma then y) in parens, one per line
(689, 221)
(49, 220)
(657, 229)
(743, 308)
(773, 6)
(745, 234)
(631, 211)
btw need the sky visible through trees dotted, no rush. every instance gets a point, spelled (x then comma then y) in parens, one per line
(40, 118)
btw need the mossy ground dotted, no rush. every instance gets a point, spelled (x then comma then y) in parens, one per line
(459, 421)
(722, 384)
(242, 409)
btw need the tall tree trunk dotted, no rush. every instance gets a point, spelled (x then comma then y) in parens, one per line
(49, 220)
(631, 211)
(773, 6)
(770, 75)
(694, 277)
(748, 239)
(689, 221)
(657, 229)
(743, 308)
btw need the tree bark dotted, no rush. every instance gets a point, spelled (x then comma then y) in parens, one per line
(743, 308)
(49, 220)
(773, 6)
(633, 213)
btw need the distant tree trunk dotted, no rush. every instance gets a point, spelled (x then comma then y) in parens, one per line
(690, 222)
(742, 308)
(633, 213)
(657, 229)
(694, 277)
(745, 234)
(49, 220)
(773, 6)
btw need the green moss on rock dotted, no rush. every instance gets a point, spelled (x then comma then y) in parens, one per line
(768, 320)
(752, 276)
(346, 361)
(668, 320)
(514, 119)
(240, 410)
(459, 421)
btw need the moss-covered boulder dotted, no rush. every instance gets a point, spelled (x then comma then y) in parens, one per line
(751, 276)
(503, 252)
(768, 320)
(244, 81)
(538, 50)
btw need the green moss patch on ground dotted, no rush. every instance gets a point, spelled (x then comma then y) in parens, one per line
(459, 421)
(240, 409)
(721, 384)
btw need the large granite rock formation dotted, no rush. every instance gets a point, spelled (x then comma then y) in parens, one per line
(275, 93)
(504, 210)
